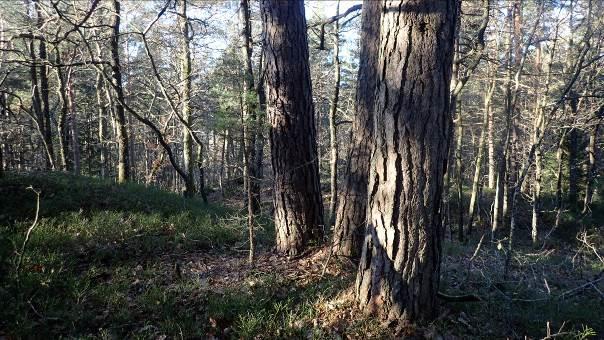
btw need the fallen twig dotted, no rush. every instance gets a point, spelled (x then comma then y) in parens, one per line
(29, 231)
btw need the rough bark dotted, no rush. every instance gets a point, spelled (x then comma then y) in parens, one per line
(297, 194)
(399, 270)
(351, 216)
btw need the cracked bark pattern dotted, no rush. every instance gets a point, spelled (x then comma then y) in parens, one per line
(297, 194)
(400, 263)
(349, 228)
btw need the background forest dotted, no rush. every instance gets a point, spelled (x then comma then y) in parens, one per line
(138, 197)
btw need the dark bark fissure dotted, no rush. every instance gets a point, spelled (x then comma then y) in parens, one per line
(297, 194)
(400, 262)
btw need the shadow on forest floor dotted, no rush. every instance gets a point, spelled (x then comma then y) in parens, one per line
(148, 264)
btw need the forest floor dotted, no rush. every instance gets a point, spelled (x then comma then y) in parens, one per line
(112, 262)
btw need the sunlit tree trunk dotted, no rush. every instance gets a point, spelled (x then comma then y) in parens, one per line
(492, 179)
(297, 193)
(123, 166)
(459, 171)
(102, 128)
(73, 126)
(399, 270)
(185, 80)
(250, 114)
(501, 192)
(536, 218)
(333, 132)
(480, 156)
(62, 131)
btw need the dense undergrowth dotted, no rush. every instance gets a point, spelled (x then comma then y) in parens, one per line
(112, 262)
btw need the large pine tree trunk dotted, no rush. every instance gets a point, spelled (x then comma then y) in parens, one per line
(350, 221)
(123, 165)
(297, 193)
(399, 270)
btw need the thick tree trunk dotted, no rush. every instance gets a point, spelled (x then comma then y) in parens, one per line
(123, 166)
(349, 229)
(297, 192)
(400, 264)
(333, 128)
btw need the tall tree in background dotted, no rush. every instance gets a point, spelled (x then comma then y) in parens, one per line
(333, 128)
(185, 79)
(249, 117)
(44, 71)
(297, 194)
(350, 221)
(400, 264)
(123, 166)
